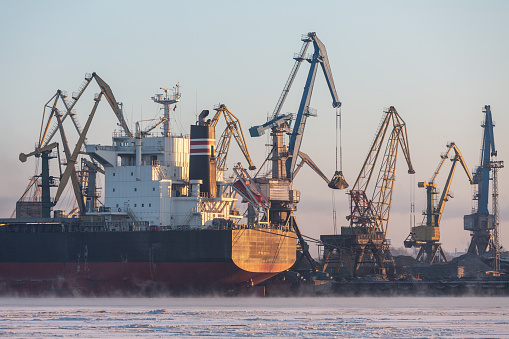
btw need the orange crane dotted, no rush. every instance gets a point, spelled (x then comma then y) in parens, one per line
(427, 236)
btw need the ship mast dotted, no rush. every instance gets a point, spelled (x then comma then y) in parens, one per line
(166, 100)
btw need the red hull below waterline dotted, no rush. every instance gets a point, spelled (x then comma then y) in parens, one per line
(123, 278)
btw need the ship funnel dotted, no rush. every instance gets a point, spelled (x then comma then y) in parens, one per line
(202, 161)
(201, 117)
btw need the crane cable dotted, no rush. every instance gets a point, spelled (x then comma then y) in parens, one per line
(412, 201)
(338, 180)
(338, 137)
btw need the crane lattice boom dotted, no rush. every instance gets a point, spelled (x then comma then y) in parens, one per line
(372, 215)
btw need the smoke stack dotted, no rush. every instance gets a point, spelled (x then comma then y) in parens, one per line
(202, 162)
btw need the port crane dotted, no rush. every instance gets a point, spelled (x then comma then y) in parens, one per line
(233, 129)
(482, 225)
(278, 188)
(363, 243)
(141, 133)
(46, 181)
(282, 123)
(427, 236)
(46, 135)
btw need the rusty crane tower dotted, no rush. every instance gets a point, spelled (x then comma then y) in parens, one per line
(362, 247)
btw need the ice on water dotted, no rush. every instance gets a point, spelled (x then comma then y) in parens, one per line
(255, 317)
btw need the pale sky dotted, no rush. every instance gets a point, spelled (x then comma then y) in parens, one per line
(437, 62)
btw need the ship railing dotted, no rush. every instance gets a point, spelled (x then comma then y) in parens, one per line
(261, 226)
(120, 134)
(166, 163)
(223, 227)
(100, 226)
(177, 228)
(160, 134)
(180, 135)
(104, 148)
(123, 134)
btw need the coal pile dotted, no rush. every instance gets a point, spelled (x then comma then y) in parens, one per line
(466, 266)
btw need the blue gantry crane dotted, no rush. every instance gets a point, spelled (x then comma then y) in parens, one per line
(482, 225)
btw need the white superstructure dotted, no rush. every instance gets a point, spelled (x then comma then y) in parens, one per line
(147, 176)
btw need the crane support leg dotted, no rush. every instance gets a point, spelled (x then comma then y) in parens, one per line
(481, 243)
(305, 247)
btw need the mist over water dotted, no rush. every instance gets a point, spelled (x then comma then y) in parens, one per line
(473, 317)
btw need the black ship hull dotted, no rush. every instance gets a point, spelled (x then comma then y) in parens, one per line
(107, 262)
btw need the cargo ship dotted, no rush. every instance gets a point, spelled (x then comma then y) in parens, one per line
(169, 220)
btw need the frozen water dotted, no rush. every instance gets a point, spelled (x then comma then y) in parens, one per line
(255, 317)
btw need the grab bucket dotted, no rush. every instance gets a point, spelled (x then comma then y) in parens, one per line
(338, 181)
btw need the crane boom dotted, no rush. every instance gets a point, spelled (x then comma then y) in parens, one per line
(364, 243)
(427, 236)
(307, 160)
(46, 136)
(70, 167)
(37, 152)
(147, 130)
(70, 170)
(233, 128)
(385, 182)
(482, 175)
(445, 193)
(108, 93)
(373, 214)
(298, 60)
(366, 172)
(319, 57)
(283, 158)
